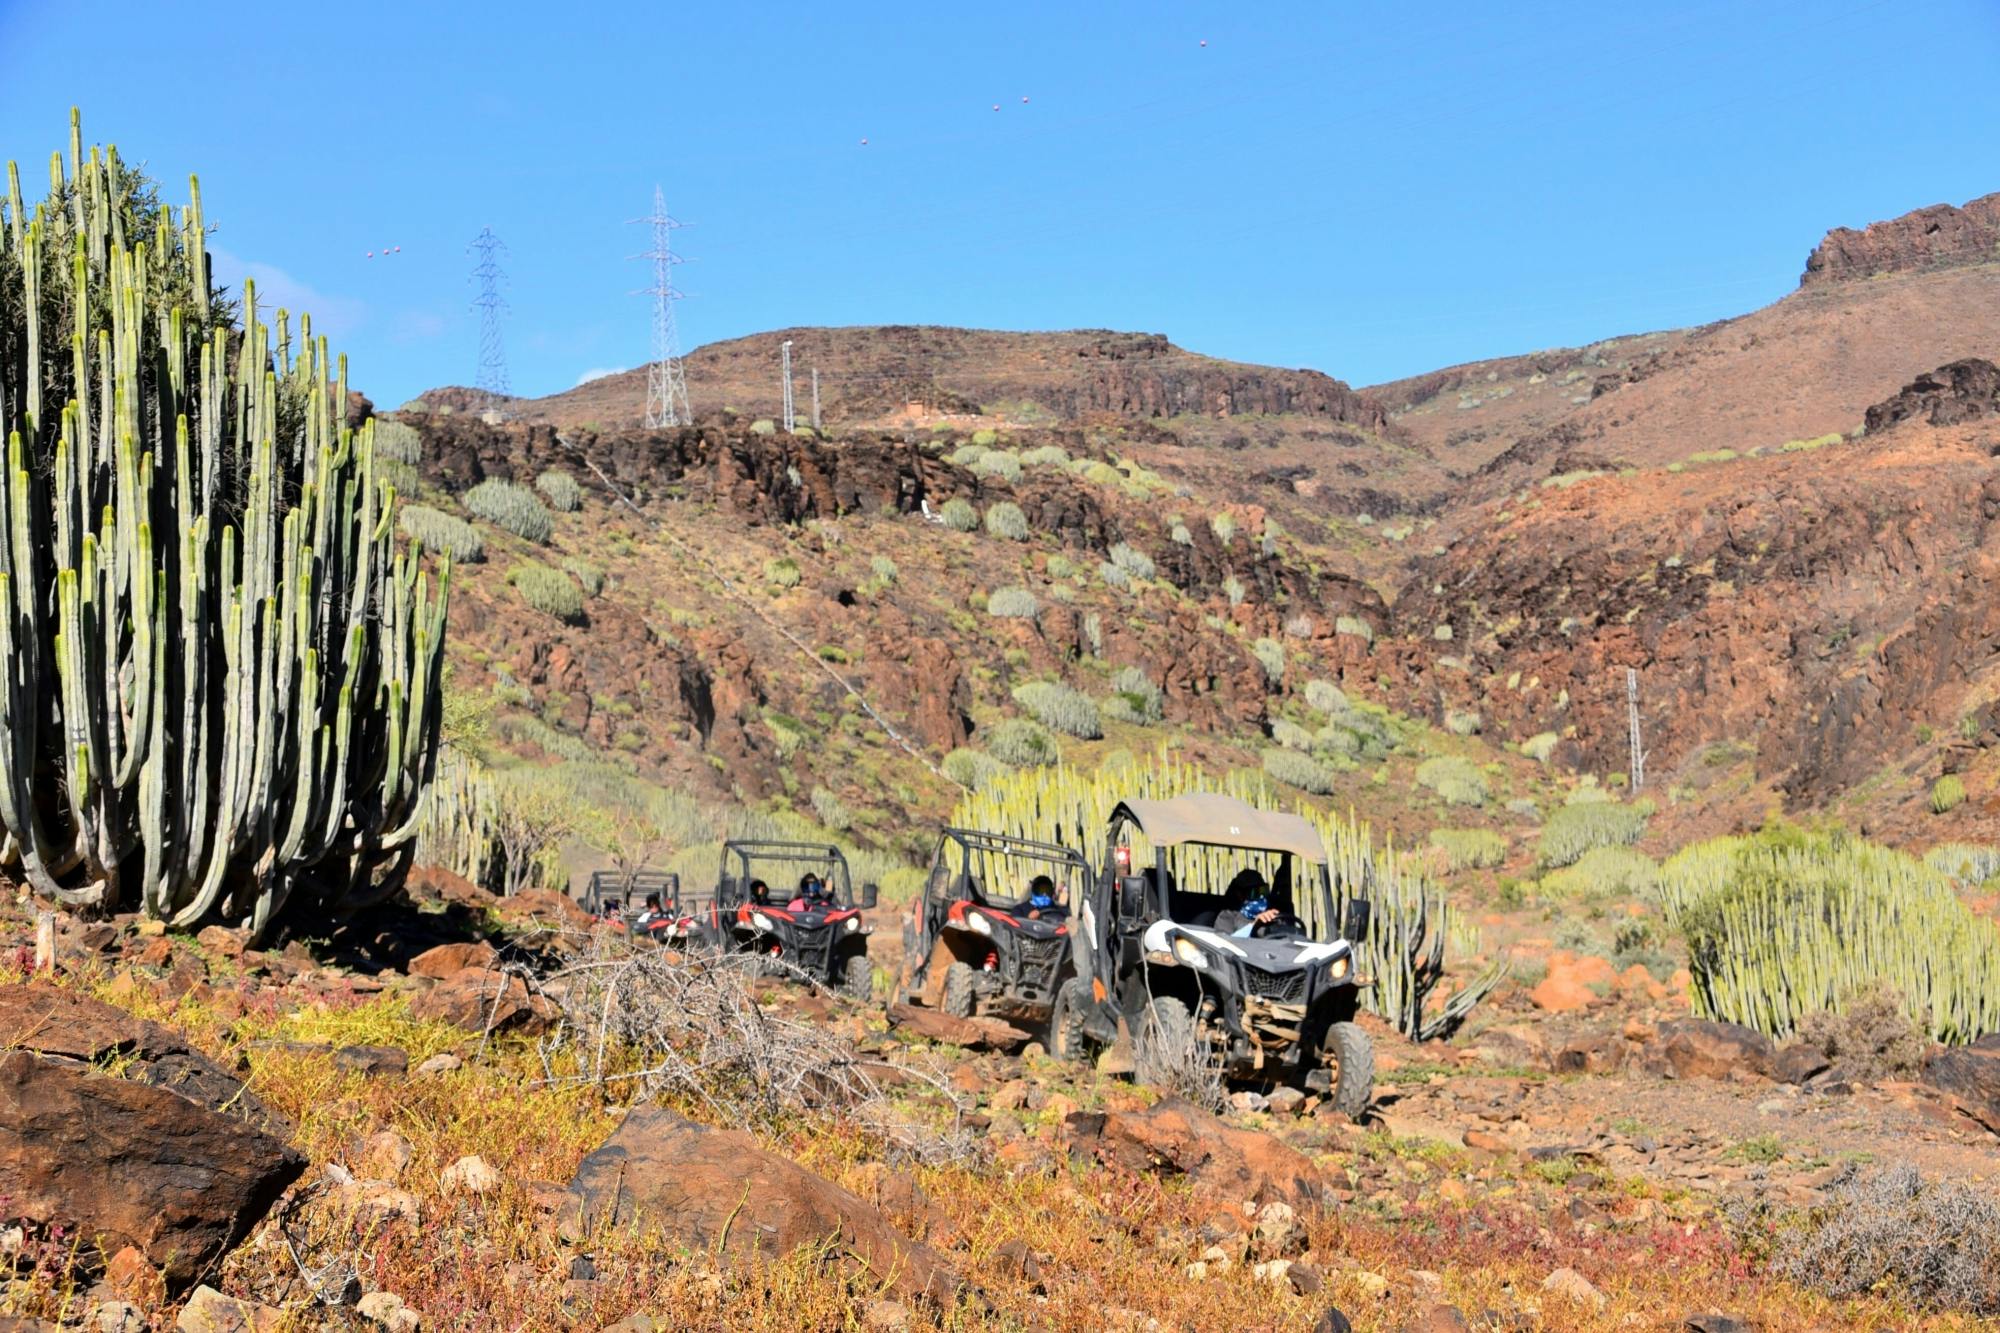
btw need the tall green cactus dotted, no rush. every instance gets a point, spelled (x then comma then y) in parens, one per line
(222, 680)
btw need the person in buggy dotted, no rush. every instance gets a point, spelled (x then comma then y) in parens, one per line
(1042, 901)
(652, 912)
(760, 893)
(1256, 911)
(812, 893)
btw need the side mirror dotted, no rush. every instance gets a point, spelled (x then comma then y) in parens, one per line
(1354, 926)
(1132, 895)
(870, 893)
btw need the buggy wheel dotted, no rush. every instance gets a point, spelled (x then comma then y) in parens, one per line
(1067, 1039)
(1348, 1056)
(857, 977)
(1166, 1033)
(959, 999)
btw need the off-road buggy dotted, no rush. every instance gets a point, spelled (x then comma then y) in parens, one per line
(621, 898)
(1271, 1004)
(824, 941)
(975, 941)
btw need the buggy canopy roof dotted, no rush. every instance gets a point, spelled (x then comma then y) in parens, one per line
(1215, 820)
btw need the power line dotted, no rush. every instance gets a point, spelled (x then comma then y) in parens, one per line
(666, 386)
(492, 376)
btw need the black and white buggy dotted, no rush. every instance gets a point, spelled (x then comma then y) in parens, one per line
(1264, 1002)
(976, 941)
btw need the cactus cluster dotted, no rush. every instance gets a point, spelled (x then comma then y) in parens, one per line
(512, 507)
(549, 591)
(560, 489)
(1788, 923)
(222, 678)
(446, 534)
(1405, 948)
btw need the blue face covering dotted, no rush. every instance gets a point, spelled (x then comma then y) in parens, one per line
(1041, 900)
(1255, 907)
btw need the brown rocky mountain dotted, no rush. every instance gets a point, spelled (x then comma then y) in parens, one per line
(1781, 521)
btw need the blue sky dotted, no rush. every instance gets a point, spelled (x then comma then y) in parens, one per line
(1371, 189)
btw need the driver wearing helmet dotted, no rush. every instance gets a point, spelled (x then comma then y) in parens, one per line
(812, 893)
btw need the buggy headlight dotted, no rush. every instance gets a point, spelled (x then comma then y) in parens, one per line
(1189, 952)
(853, 924)
(1341, 967)
(762, 922)
(978, 923)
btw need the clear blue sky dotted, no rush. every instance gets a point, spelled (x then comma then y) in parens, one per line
(1371, 189)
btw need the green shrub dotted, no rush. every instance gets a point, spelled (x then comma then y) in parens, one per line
(1291, 735)
(1604, 873)
(1232, 588)
(1132, 560)
(1114, 576)
(1442, 634)
(1969, 863)
(985, 435)
(1323, 696)
(1061, 566)
(970, 768)
(998, 463)
(1576, 829)
(830, 810)
(763, 426)
(589, 576)
(1461, 722)
(1270, 655)
(1790, 922)
(966, 455)
(883, 568)
(1099, 473)
(447, 534)
(1135, 697)
(1013, 603)
(1047, 455)
(1019, 743)
(1540, 746)
(397, 443)
(1457, 780)
(1093, 632)
(959, 516)
(559, 488)
(1355, 626)
(782, 572)
(1298, 770)
(1006, 520)
(1469, 848)
(1060, 707)
(549, 591)
(1947, 793)
(1224, 527)
(512, 507)
(1934, 1243)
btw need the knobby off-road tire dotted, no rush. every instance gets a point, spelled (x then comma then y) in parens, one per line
(1349, 1057)
(1166, 1036)
(1067, 1039)
(857, 977)
(959, 995)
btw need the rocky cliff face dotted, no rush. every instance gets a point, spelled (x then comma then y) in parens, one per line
(1933, 237)
(1962, 391)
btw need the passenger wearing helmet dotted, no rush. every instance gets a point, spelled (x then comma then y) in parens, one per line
(1042, 899)
(812, 893)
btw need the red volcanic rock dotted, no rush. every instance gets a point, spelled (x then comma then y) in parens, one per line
(1928, 238)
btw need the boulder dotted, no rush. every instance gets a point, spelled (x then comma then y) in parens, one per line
(1970, 1076)
(448, 960)
(480, 1000)
(1699, 1048)
(127, 1163)
(544, 907)
(373, 1061)
(64, 1025)
(1798, 1062)
(209, 1311)
(971, 1033)
(1561, 993)
(1176, 1137)
(721, 1192)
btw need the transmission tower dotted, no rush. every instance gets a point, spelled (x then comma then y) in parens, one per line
(666, 388)
(491, 306)
(785, 369)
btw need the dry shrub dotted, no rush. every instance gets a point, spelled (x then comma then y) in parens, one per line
(1935, 1244)
(1870, 1037)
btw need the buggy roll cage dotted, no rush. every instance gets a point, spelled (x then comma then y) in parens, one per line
(973, 843)
(632, 890)
(824, 859)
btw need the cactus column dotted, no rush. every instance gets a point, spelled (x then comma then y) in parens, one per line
(222, 678)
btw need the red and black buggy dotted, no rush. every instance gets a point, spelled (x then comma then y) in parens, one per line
(765, 906)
